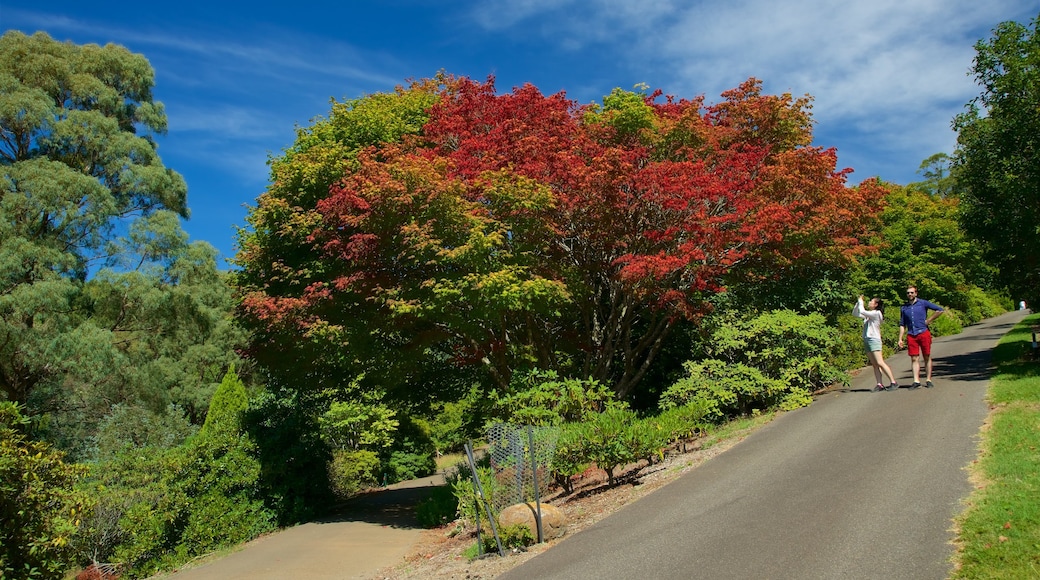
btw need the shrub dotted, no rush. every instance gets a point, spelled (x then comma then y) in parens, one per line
(542, 398)
(774, 359)
(469, 505)
(683, 422)
(947, 324)
(173, 505)
(411, 455)
(403, 465)
(351, 472)
(608, 440)
(648, 438)
(294, 459)
(723, 390)
(570, 456)
(358, 425)
(39, 506)
(131, 427)
(438, 509)
(454, 423)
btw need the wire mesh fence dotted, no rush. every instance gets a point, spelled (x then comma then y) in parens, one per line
(520, 456)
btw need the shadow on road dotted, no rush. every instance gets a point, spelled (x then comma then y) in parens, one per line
(973, 366)
(386, 507)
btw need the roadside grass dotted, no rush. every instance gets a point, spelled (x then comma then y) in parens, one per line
(999, 532)
(448, 461)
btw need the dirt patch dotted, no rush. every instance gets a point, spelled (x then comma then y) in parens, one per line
(438, 554)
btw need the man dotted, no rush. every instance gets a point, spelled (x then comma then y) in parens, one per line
(914, 320)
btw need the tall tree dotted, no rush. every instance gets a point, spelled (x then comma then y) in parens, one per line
(102, 298)
(998, 156)
(524, 231)
(923, 244)
(938, 175)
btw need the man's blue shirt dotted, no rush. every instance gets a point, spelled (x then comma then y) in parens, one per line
(913, 316)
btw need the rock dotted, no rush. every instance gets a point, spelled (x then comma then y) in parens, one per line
(554, 523)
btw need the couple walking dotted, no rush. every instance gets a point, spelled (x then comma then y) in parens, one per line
(914, 319)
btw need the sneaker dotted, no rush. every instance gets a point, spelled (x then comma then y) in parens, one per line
(916, 385)
(879, 387)
(928, 384)
(893, 386)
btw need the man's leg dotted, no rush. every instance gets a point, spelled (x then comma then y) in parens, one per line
(926, 352)
(915, 364)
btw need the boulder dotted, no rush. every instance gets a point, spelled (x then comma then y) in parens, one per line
(554, 523)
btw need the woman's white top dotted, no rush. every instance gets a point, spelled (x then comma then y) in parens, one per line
(871, 320)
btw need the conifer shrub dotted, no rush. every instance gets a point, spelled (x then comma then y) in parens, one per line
(158, 508)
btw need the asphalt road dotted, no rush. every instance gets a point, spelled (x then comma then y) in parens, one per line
(858, 485)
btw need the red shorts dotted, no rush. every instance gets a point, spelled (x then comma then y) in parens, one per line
(915, 345)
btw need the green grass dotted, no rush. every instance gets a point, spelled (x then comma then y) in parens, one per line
(449, 460)
(999, 532)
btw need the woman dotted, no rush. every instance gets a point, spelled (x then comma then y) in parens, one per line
(872, 318)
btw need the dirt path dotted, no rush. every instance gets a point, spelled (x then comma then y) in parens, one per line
(373, 531)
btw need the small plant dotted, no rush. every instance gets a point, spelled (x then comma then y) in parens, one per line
(461, 484)
(609, 446)
(438, 509)
(516, 537)
(570, 456)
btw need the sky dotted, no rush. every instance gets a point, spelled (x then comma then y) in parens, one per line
(886, 76)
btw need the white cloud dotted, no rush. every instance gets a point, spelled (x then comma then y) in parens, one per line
(893, 70)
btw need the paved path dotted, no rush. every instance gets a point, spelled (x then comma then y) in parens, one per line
(858, 485)
(375, 531)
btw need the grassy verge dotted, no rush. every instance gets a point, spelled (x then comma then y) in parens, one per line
(999, 532)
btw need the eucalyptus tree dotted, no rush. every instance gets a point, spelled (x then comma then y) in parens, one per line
(102, 298)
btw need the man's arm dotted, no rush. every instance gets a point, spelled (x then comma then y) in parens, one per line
(936, 314)
(937, 311)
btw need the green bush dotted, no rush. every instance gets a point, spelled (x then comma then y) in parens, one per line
(411, 454)
(724, 390)
(438, 509)
(160, 508)
(132, 427)
(683, 422)
(948, 324)
(294, 459)
(772, 360)
(402, 465)
(514, 537)
(140, 511)
(461, 483)
(570, 456)
(351, 472)
(648, 437)
(455, 423)
(541, 397)
(609, 442)
(40, 509)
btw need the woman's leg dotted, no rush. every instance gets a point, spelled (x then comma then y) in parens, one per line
(879, 365)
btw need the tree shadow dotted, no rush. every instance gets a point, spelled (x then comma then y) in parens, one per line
(973, 366)
(395, 507)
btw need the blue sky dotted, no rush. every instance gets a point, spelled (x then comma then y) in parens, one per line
(887, 76)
